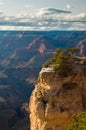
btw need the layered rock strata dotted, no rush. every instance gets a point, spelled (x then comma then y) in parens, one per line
(55, 99)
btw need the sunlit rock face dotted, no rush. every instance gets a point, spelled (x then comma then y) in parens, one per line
(55, 99)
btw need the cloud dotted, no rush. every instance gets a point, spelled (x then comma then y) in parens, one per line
(1, 13)
(44, 19)
(68, 6)
(28, 6)
(49, 11)
(1, 2)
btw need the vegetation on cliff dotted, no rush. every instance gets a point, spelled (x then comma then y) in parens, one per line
(79, 122)
(62, 61)
(60, 93)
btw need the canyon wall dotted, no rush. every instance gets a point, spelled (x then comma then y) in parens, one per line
(55, 99)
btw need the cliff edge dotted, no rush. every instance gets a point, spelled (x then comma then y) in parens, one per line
(55, 99)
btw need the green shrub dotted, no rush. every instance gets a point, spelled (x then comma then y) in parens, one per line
(79, 122)
(46, 64)
(51, 100)
(63, 64)
(62, 61)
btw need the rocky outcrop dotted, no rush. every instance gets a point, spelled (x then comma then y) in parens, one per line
(82, 45)
(55, 99)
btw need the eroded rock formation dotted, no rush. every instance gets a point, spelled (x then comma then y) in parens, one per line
(55, 99)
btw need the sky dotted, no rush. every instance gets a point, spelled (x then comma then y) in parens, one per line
(43, 15)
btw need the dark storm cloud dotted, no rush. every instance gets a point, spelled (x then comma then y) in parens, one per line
(49, 11)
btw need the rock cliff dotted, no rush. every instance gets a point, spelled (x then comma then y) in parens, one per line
(55, 99)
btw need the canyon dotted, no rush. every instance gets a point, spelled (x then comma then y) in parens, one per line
(22, 54)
